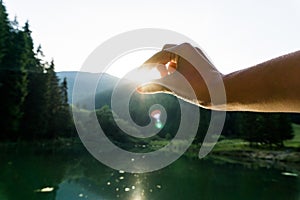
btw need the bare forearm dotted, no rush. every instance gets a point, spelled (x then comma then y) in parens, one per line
(273, 86)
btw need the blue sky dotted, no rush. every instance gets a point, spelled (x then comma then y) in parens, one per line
(234, 34)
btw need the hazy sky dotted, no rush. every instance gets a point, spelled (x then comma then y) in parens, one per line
(235, 34)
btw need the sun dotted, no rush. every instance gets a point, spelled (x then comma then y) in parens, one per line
(130, 61)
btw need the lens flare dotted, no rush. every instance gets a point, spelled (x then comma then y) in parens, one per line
(158, 124)
(156, 115)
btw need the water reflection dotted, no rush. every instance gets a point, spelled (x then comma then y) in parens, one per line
(77, 175)
(128, 186)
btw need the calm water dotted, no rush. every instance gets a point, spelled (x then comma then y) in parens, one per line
(26, 174)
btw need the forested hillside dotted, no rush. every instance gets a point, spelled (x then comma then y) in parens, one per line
(256, 128)
(34, 104)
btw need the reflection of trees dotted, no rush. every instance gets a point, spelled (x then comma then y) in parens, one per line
(78, 173)
(23, 173)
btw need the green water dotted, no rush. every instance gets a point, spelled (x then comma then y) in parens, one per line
(76, 175)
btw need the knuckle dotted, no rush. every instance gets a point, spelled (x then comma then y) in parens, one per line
(166, 46)
(186, 44)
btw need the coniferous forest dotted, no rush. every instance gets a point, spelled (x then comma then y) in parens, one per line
(34, 101)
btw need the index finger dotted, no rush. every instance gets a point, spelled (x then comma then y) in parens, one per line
(162, 57)
(158, 61)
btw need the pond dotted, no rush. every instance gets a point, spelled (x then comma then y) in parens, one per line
(40, 174)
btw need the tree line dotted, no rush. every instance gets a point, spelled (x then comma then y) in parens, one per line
(34, 101)
(267, 129)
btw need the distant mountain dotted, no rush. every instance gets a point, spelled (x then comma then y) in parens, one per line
(85, 81)
(139, 104)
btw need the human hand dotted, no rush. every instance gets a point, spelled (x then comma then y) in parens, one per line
(175, 61)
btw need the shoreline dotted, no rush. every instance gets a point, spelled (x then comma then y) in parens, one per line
(277, 159)
(287, 159)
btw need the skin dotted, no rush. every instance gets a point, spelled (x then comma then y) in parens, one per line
(272, 86)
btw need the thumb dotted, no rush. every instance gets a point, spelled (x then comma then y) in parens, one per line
(175, 84)
(152, 88)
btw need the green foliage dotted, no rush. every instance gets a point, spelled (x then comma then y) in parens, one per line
(33, 103)
(256, 128)
(295, 142)
(140, 106)
(107, 122)
(13, 75)
(4, 32)
(265, 128)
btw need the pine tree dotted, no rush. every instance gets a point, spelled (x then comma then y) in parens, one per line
(13, 76)
(35, 122)
(249, 126)
(265, 128)
(65, 123)
(4, 49)
(64, 92)
(54, 101)
(4, 32)
(33, 103)
(284, 129)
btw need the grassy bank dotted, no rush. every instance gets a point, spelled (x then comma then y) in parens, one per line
(236, 150)
(295, 142)
(241, 145)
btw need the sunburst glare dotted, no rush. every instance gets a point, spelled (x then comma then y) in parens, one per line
(130, 61)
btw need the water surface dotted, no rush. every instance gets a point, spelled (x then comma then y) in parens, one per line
(37, 174)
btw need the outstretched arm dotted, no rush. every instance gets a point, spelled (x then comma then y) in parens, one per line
(272, 86)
